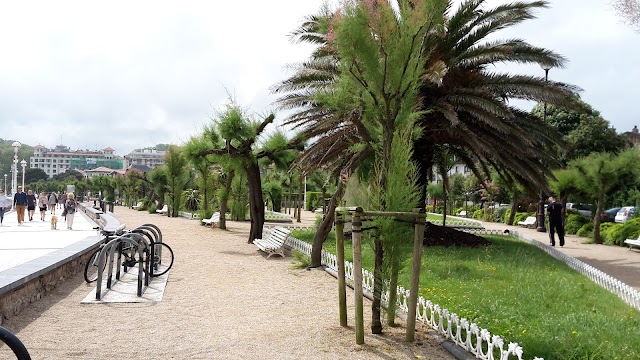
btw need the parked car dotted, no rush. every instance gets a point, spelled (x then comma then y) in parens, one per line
(610, 214)
(584, 210)
(625, 214)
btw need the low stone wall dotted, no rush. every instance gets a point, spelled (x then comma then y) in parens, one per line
(14, 301)
(30, 282)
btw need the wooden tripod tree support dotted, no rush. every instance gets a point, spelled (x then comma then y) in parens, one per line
(356, 224)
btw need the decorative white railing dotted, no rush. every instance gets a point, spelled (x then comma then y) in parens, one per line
(468, 335)
(628, 294)
(458, 223)
(475, 339)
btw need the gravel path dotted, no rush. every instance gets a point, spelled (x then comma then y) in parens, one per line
(223, 300)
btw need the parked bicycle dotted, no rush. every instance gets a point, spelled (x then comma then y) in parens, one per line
(154, 250)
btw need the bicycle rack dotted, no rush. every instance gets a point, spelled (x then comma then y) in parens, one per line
(109, 250)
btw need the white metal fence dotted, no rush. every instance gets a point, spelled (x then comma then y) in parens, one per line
(460, 331)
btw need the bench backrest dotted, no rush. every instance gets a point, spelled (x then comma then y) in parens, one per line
(279, 235)
(530, 219)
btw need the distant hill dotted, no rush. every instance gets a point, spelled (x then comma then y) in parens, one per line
(6, 157)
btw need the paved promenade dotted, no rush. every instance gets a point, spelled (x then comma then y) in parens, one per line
(35, 239)
(619, 262)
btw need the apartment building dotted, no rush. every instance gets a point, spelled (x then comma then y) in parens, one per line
(60, 159)
(148, 157)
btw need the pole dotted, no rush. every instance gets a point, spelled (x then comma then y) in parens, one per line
(342, 286)
(415, 277)
(356, 226)
(540, 214)
(24, 164)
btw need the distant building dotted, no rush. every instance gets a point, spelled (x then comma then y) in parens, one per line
(149, 157)
(101, 171)
(61, 159)
(634, 136)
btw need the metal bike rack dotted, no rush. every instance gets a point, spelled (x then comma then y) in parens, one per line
(109, 251)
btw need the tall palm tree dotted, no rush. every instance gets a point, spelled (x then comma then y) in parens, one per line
(466, 105)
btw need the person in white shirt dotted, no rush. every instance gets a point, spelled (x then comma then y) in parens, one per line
(4, 200)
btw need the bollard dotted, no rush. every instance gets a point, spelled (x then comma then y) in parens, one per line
(357, 274)
(342, 287)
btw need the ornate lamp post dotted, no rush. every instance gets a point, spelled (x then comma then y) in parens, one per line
(14, 175)
(24, 164)
(540, 213)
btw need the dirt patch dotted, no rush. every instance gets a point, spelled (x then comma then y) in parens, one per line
(443, 236)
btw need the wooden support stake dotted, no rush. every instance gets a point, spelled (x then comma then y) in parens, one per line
(342, 286)
(415, 278)
(356, 226)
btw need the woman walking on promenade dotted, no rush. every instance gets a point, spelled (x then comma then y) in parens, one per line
(70, 207)
(53, 200)
(42, 204)
(31, 204)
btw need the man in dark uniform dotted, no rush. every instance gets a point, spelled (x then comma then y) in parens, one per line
(555, 221)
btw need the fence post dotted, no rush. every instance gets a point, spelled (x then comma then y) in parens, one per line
(342, 287)
(356, 226)
(415, 276)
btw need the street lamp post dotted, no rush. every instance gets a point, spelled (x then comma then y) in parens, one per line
(24, 165)
(540, 214)
(14, 175)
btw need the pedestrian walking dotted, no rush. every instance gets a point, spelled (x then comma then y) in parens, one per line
(4, 202)
(53, 200)
(63, 200)
(70, 208)
(42, 204)
(20, 203)
(555, 221)
(31, 204)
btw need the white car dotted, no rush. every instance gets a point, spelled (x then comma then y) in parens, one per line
(625, 214)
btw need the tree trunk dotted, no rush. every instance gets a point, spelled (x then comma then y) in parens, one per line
(256, 201)
(300, 197)
(596, 217)
(393, 292)
(376, 323)
(325, 227)
(514, 208)
(224, 202)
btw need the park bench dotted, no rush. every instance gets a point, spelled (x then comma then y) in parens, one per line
(274, 243)
(164, 209)
(462, 213)
(214, 219)
(633, 242)
(137, 206)
(530, 221)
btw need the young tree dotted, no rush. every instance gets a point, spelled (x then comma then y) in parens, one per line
(177, 177)
(599, 173)
(240, 133)
(629, 11)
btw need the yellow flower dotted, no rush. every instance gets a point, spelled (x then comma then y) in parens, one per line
(574, 332)
(524, 331)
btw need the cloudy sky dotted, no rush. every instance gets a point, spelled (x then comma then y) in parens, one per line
(130, 74)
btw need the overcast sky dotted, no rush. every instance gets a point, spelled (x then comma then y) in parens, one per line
(131, 74)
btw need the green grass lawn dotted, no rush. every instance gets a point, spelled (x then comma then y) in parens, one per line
(519, 292)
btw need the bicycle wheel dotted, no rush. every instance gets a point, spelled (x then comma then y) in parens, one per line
(162, 259)
(91, 268)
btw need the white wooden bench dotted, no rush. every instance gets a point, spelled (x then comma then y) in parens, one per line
(137, 206)
(214, 219)
(633, 242)
(462, 213)
(530, 221)
(274, 244)
(164, 209)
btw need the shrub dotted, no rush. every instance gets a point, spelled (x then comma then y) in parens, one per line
(616, 234)
(477, 214)
(586, 230)
(522, 216)
(607, 231)
(500, 213)
(152, 208)
(314, 200)
(574, 223)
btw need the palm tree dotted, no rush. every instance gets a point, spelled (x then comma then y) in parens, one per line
(465, 105)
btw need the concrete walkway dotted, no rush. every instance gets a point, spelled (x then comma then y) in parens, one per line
(35, 239)
(619, 262)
